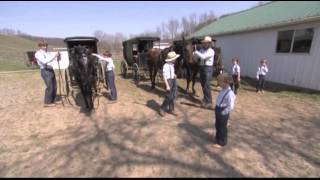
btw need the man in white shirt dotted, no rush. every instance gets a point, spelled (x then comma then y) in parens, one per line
(206, 56)
(47, 73)
(110, 76)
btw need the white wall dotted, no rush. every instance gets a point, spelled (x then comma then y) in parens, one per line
(302, 70)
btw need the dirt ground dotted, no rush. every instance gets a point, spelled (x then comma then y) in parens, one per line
(269, 135)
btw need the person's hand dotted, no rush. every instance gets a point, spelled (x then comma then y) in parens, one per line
(239, 80)
(168, 88)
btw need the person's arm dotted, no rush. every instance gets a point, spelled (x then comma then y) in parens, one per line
(239, 73)
(258, 73)
(204, 56)
(100, 57)
(230, 107)
(266, 68)
(45, 59)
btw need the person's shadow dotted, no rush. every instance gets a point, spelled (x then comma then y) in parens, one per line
(152, 104)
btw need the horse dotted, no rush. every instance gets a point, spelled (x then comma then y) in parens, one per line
(154, 58)
(191, 63)
(217, 64)
(84, 67)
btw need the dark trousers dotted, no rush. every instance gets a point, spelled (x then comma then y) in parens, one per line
(111, 84)
(221, 126)
(51, 85)
(260, 83)
(205, 79)
(168, 103)
(235, 84)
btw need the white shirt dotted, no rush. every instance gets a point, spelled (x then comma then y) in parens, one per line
(43, 58)
(206, 56)
(227, 102)
(262, 70)
(168, 71)
(236, 69)
(110, 65)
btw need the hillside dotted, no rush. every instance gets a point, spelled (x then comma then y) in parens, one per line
(13, 52)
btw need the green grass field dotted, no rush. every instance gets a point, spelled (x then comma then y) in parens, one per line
(13, 52)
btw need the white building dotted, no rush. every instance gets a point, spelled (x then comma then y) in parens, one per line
(162, 45)
(286, 33)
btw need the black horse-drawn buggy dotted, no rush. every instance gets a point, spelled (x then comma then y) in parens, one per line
(85, 72)
(136, 54)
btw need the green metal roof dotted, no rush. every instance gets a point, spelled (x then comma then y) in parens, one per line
(265, 16)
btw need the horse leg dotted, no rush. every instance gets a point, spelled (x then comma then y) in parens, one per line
(155, 68)
(188, 78)
(151, 75)
(90, 100)
(194, 75)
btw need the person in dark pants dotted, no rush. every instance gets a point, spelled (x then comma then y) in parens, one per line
(261, 74)
(224, 105)
(235, 76)
(110, 75)
(206, 56)
(169, 78)
(47, 73)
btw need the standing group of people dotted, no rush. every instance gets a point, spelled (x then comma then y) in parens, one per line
(226, 97)
(225, 100)
(47, 73)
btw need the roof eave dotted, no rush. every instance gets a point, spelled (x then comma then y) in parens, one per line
(275, 25)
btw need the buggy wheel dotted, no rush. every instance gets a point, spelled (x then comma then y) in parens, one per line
(136, 72)
(124, 69)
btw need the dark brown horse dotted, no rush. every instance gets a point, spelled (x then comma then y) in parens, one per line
(156, 59)
(217, 64)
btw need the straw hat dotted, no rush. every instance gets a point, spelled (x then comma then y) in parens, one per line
(207, 39)
(172, 56)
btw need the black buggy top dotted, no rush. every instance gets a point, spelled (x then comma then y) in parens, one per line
(89, 42)
(134, 46)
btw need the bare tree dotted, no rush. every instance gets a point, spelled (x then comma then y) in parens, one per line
(193, 22)
(185, 26)
(172, 27)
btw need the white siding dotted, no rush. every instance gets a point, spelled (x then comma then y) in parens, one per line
(302, 70)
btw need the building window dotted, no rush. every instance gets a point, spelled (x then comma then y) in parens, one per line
(284, 41)
(302, 40)
(294, 41)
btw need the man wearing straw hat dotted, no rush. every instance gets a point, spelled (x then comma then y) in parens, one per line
(47, 73)
(206, 56)
(169, 78)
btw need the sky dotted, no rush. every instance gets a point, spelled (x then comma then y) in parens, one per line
(81, 18)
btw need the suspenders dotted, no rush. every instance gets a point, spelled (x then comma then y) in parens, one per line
(224, 97)
(171, 71)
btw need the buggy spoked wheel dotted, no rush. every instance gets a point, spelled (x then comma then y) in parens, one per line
(124, 69)
(136, 73)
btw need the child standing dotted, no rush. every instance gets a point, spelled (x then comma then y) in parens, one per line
(110, 76)
(169, 78)
(224, 105)
(261, 74)
(235, 75)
